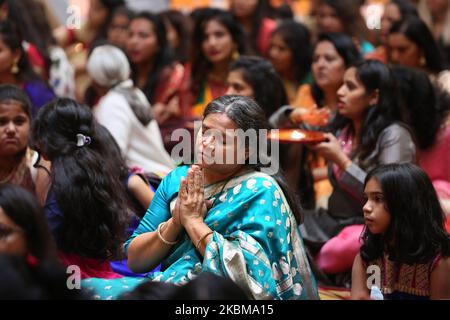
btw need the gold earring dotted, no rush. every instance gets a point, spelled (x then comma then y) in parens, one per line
(235, 55)
(423, 61)
(15, 68)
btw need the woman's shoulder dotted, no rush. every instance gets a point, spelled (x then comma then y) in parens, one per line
(262, 183)
(396, 130)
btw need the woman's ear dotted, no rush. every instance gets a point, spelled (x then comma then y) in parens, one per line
(374, 97)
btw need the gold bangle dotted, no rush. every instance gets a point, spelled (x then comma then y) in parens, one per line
(202, 238)
(171, 243)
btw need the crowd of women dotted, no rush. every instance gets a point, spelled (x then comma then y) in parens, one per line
(87, 178)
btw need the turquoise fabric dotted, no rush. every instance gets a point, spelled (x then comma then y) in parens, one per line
(256, 241)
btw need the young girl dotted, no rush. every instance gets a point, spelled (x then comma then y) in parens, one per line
(367, 135)
(404, 236)
(18, 163)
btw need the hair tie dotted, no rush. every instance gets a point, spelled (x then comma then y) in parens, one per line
(83, 140)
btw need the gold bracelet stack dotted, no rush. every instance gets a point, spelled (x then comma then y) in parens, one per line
(203, 237)
(170, 243)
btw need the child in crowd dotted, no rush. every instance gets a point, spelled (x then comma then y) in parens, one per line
(404, 237)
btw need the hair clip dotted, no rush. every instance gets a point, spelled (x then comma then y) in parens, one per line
(83, 140)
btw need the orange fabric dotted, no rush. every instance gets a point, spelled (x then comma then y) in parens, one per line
(379, 53)
(304, 98)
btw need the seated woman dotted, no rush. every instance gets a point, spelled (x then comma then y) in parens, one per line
(217, 40)
(204, 215)
(125, 111)
(427, 112)
(86, 204)
(253, 16)
(290, 53)
(17, 161)
(404, 237)
(344, 16)
(30, 269)
(16, 68)
(155, 72)
(367, 135)
(256, 78)
(394, 10)
(316, 104)
(23, 228)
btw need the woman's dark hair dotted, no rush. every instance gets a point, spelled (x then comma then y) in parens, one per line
(163, 58)
(406, 8)
(24, 210)
(10, 93)
(423, 110)
(45, 281)
(111, 6)
(122, 11)
(267, 85)
(182, 26)
(85, 183)
(30, 19)
(262, 10)
(416, 233)
(297, 37)
(282, 12)
(374, 76)
(200, 64)
(348, 12)
(417, 31)
(248, 115)
(10, 37)
(346, 49)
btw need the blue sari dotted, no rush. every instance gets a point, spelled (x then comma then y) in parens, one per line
(256, 241)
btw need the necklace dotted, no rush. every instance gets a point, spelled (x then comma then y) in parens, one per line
(221, 186)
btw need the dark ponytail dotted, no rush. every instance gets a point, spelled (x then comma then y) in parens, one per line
(85, 183)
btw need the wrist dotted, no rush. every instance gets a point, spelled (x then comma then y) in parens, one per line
(193, 222)
(345, 162)
(173, 225)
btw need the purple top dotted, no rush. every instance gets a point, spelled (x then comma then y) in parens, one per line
(39, 94)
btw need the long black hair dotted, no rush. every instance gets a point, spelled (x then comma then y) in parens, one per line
(346, 49)
(374, 75)
(267, 85)
(416, 233)
(424, 110)
(111, 6)
(406, 8)
(20, 280)
(297, 37)
(262, 10)
(85, 183)
(418, 32)
(30, 19)
(200, 64)
(24, 210)
(164, 56)
(248, 115)
(182, 25)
